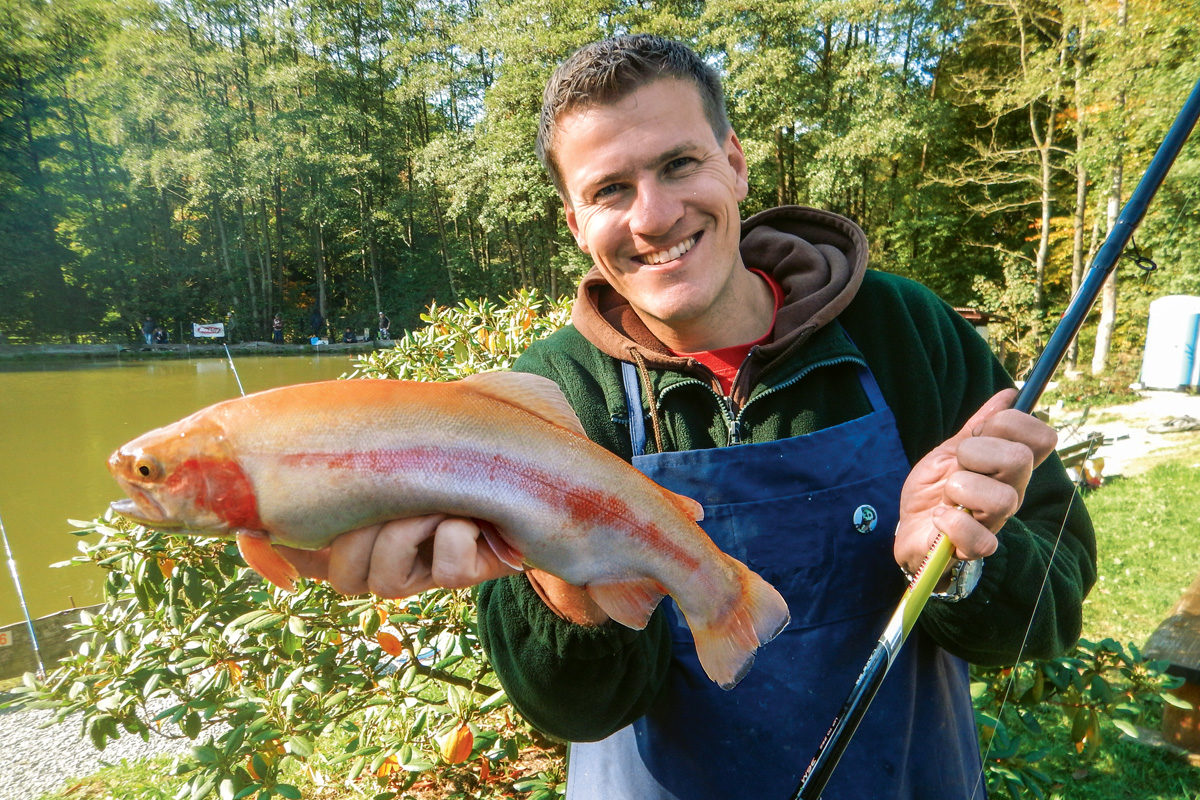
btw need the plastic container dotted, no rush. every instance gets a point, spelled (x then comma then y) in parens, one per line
(1172, 356)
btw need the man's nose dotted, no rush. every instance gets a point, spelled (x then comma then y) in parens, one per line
(655, 209)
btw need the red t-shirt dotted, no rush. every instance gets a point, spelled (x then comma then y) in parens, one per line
(724, 362)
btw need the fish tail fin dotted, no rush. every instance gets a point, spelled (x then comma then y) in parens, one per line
(264, 559)
(726, 644)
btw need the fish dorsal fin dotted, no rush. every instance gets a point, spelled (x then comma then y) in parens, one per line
(535, 394)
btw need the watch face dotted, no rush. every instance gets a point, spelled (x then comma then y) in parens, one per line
(969, 574)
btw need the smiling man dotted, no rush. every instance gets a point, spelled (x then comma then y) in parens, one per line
(831, 420)
(651, 193)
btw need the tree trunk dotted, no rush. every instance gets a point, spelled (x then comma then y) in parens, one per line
(1080, 215)
(1108, 296)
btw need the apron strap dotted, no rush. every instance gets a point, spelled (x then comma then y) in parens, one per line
(633, 405)
(866, 379)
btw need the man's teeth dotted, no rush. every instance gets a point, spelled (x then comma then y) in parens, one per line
(669, 255)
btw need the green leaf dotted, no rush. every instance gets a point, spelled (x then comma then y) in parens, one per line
(301, 746)
(296, 625)
(1176, 701)
(288, 791)
(1127, 728)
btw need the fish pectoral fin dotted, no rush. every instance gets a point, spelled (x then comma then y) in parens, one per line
(503, 550)
(260, 556)
(535, 394)
(628, 602)
(691, 507)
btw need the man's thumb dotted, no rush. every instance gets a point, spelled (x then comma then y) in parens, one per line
(974, 426)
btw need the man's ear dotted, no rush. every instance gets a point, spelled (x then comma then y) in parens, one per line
(737, 160)
(573, 224)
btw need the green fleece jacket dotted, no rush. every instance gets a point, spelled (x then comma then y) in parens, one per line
(583, 683)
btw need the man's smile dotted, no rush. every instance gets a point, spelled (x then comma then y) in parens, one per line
(662, 256)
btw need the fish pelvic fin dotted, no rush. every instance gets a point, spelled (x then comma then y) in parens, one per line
(727, 644)
(628, 602)
(264, 559)
(537, 395)
(500, 546)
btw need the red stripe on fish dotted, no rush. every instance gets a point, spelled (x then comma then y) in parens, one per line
(582, 503)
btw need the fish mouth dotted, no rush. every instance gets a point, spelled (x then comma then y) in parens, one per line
(144, 510)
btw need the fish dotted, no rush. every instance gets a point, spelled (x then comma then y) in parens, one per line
(299, 465)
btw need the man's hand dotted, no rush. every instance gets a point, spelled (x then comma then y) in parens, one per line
(970, 485)
(403, 557)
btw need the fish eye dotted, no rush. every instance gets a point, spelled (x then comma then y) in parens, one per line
(147, 467)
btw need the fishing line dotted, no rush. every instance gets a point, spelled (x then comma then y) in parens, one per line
(232, 367)
(12, 569)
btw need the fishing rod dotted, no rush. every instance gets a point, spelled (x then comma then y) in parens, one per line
(236, 377)
(12, 569)
(846, 722)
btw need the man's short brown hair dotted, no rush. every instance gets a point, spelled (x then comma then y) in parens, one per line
(608, 70)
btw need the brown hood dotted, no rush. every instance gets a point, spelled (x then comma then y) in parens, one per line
(818, 257)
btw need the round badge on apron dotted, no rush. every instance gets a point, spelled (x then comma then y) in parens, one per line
(865, 519)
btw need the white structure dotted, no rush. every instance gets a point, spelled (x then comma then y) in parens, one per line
(1172, 356)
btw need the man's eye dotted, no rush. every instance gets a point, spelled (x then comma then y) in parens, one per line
(608, 191)
(679, 163)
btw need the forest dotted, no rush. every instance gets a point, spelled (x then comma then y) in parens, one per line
(225, 160)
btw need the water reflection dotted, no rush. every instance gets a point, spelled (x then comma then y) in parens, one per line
(58, 425)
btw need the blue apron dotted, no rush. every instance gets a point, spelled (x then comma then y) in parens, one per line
(813, 515)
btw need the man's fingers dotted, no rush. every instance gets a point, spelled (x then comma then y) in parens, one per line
(349, 559)
(991, 502)
(971, 538)
(1005, 461)
(403, 557)
(309, 563)
(458, 558)
(400, 561)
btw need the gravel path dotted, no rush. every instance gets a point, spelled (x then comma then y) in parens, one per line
(37, 758)
(1129, 447)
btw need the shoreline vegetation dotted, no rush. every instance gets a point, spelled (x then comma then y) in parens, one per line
(34, 354)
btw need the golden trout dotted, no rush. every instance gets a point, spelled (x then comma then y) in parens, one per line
(300, 465)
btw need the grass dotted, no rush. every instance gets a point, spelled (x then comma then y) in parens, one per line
(1146, 526)
(147, 779)
(1146, 529)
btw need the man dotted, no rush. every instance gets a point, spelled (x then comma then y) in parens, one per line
(814, 407)
(385, 325)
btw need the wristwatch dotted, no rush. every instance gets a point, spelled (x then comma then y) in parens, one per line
(964, 577)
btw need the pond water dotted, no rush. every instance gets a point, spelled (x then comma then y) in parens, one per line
(58, 426)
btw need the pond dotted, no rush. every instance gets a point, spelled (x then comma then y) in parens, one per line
(58, 426)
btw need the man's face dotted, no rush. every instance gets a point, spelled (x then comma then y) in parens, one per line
(652, 196)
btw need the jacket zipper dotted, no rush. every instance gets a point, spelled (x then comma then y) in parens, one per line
(803, 373)
(723, 403)
(733, 420)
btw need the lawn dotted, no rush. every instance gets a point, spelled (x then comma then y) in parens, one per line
(1148, 546)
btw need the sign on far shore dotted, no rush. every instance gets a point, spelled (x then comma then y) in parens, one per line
(208, 331)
